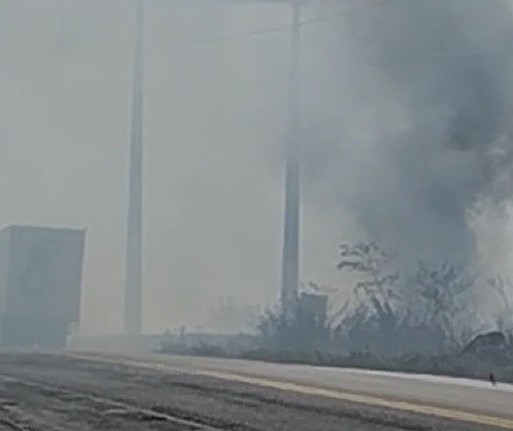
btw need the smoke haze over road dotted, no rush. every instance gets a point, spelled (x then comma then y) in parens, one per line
(406, 106)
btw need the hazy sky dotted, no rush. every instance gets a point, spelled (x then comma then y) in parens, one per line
(214, 134)
(213, 150)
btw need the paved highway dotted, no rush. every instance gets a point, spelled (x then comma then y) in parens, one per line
(79, 391)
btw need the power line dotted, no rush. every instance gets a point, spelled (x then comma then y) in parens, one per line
(287, 27)
(436, 57)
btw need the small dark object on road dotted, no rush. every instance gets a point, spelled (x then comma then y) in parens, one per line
(492, 379)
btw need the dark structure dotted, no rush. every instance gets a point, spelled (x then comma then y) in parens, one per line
(40, 283)
(313, 308)
(490, 343)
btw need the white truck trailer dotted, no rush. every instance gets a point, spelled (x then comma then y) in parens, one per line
(40, 284)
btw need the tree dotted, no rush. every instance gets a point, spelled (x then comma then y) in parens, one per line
(371, 325)
(442, 286)
(504, 316)
(379, 281)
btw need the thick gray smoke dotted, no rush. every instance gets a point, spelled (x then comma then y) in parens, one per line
(398, 133)
(431, 86)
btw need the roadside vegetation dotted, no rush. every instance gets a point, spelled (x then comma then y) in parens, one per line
(431, 320)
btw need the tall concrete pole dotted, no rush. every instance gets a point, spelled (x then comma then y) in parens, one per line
(60, 24)
(133, 273)
(290, 256)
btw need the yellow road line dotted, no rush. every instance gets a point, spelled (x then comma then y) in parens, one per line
(405, 406)
(410, 407)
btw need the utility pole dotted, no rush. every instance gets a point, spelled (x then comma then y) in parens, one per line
(60, 24)
(291, 226)
(133, 272)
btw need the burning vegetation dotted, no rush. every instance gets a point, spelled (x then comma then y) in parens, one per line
(438, 156)
(427, 320)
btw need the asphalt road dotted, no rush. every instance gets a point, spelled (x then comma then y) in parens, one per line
(86, 391)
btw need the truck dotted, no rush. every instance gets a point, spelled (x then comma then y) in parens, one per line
(40, 285)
